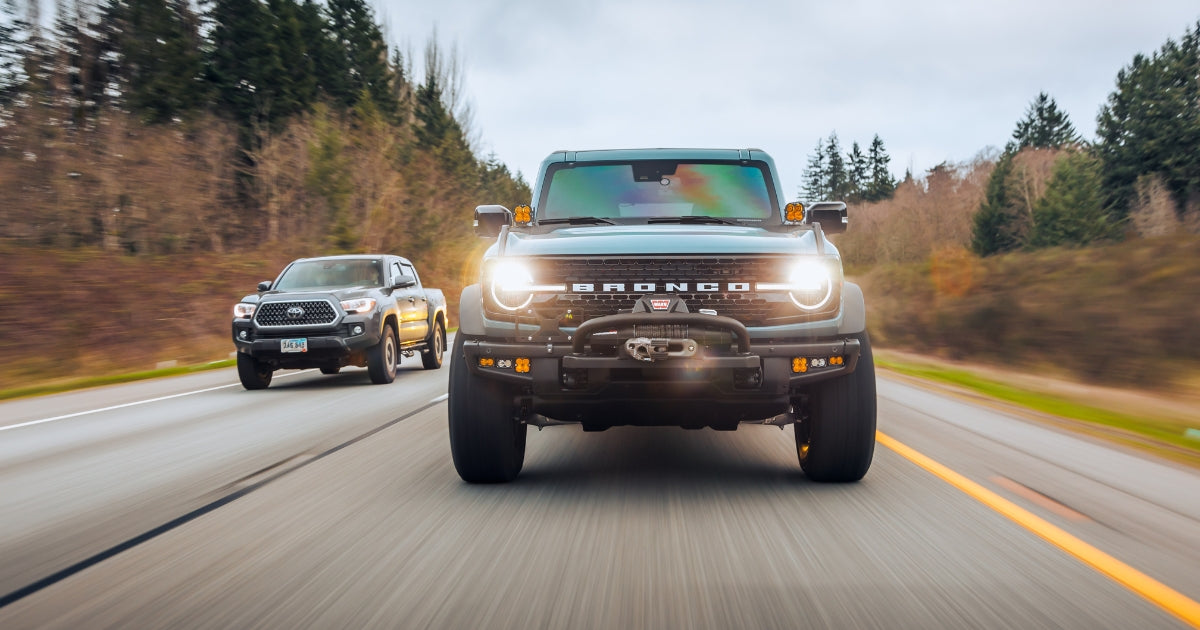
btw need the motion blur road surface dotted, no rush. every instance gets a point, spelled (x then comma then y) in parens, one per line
(326, 502)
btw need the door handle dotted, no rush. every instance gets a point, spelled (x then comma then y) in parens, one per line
(412, 299)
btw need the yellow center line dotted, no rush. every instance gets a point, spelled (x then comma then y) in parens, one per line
(1156, 592)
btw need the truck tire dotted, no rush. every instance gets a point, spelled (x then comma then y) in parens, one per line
(486, 442)
(253, 373)
(837, 440)
(431, 358)
(382, 357)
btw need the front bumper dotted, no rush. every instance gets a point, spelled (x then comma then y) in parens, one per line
(710, 388)
(326, 345)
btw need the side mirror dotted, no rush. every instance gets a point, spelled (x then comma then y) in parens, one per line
(403, 282)
(489, 220)
(830, 214)
(265, 285)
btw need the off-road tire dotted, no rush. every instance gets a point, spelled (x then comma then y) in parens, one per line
(486, 441)
(837, 441)
(382, 358)
(431, 358)
(253, 373)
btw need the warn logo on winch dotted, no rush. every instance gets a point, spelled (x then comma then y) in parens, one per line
(660, 305)
(651, 287)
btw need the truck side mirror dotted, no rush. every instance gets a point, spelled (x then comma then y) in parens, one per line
(489, 220)
(830, 214)
(403, 281)
(265, 285)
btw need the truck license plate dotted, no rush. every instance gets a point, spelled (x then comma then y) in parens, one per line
(293, 345)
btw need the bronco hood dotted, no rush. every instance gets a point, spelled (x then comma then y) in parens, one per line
(649, 240)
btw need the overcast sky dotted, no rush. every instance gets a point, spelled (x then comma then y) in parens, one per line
(937, 80)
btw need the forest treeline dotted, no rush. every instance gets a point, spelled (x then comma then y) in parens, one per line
(155, 127)
(1056, 252)
(1049, 186)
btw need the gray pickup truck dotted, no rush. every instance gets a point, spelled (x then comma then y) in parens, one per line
(661, 287)
(330, 312)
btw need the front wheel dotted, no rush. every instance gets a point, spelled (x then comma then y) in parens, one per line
(431, 359)
(381, 358)
(837, 441)
(487, 442)
(253, 373)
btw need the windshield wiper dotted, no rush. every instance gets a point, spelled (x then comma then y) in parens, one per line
(693, 218)
(577, 221)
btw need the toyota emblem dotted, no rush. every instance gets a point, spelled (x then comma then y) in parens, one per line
(295, 312)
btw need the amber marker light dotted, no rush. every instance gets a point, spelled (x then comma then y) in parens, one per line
(836, 360)
(486, 362)
(794, 211)
(522, 365)
(800, 365)
(522, 214)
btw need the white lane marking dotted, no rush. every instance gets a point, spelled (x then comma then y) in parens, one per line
(440, 398)
(130, 404)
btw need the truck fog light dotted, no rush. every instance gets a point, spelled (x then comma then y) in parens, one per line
(358, 329)
(243, 335)
(800, 365)
(522, 365)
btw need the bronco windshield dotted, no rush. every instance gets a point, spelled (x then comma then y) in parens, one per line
(650, 189)
(325, 274)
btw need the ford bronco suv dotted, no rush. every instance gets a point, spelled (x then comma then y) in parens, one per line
(335, 311)
(660, 287)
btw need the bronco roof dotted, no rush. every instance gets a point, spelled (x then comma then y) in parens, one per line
(602, 155)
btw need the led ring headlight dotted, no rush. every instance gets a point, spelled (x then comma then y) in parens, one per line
(512, 285)
(811, 285)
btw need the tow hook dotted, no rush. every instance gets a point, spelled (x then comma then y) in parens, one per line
(651, 350)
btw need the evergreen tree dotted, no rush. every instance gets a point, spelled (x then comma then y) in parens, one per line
(160, 62)
(245, 66)
(330, 66)
(994, 231)
(10, 52)
(1151, 124)
(815, 188)
(1044, 126)
(881, 185)
(858, 174)
(1072, 212)
(357, 37)
(837, 180)
(298, 84)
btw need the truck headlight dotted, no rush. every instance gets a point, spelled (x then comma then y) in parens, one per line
(361, 305)
(512, 285)
(810, 284)
(242, 310)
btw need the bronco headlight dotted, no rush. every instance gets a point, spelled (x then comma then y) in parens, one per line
(811, 284)
(512, 284)
(242, 310)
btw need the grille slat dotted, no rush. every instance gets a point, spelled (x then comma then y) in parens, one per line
(315, 313)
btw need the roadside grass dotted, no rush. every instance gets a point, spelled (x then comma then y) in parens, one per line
(1162, 435)
(109, 379)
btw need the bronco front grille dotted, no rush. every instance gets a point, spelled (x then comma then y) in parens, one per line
(295, 313)
(749, 307)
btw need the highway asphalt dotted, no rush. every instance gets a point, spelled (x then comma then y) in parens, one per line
(329, 502)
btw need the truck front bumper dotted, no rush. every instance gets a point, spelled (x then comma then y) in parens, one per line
(708, 389)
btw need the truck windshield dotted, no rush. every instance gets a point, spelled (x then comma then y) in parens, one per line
(657, 189)
(323, 274)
